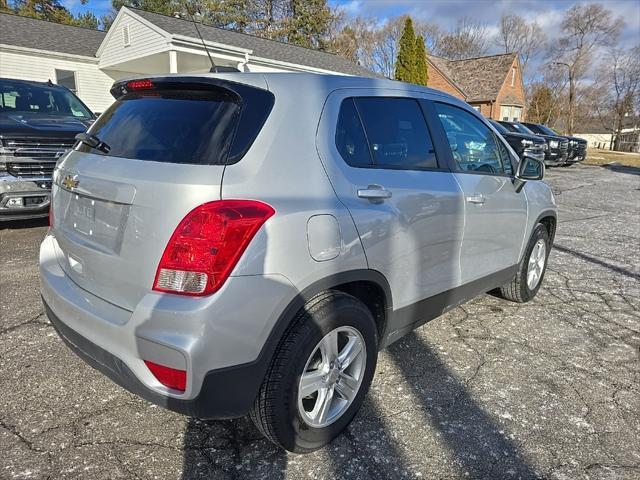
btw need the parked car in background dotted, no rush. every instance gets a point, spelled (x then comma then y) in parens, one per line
(577, 151)
(523, 144)
(38, 123)
(352, 209)
(557, 151)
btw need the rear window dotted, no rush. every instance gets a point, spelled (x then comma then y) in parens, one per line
(172, 126)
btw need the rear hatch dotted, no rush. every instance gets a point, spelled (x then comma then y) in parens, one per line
(157, 153)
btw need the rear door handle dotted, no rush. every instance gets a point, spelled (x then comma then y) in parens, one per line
(374, 192)
(477, 199)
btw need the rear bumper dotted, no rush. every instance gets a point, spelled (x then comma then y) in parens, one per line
(35, 197)
(224, 393)
(220, 347)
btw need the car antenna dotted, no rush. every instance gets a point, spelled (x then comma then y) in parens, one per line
(214, 67)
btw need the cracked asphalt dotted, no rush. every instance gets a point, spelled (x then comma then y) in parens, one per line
(549, 389)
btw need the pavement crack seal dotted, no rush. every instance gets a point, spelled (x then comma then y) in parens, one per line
(32, 321)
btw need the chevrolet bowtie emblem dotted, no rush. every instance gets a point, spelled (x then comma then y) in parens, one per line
(69, 182)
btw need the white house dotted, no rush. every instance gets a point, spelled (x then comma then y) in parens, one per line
(142, 43)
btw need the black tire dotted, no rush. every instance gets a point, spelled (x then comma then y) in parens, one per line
(275, 411)
(517, 289)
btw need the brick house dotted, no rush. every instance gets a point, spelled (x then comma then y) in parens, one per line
(492, 84)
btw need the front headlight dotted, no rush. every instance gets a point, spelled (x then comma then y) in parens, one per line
(553, 144)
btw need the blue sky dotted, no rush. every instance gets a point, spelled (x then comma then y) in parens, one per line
(548, 13)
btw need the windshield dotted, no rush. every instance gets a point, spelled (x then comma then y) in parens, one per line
(546, 130)
(518, 128)
(540, 129)
(20, 98)
(499, 127)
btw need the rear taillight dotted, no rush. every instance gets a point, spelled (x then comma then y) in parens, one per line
(167, 376)
(144, 84)
(207, 244)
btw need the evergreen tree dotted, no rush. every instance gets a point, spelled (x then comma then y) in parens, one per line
(308, 23)
(406, 61)
(421, 75)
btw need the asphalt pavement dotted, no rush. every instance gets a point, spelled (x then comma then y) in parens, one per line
(548, 389)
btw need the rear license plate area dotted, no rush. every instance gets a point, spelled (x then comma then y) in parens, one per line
(83, 214)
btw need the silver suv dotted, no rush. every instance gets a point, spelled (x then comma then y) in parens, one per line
(232, 244)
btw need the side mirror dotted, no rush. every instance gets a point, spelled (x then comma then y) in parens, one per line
(529, 168)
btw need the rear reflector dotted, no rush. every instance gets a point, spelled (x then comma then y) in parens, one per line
(169, 377)
(207, 244)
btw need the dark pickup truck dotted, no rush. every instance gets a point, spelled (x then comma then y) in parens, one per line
(557, 146)
(523, 143)
(577, 146)
(38, 124)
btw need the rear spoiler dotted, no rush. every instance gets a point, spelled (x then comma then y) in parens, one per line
(182, 83)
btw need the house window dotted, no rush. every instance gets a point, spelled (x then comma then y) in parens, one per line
(67, 78)
(513, 76)
(517, 112)
(510, 113)
(126, 37)
(504, 113)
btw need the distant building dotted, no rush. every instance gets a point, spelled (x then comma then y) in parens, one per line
(599, 136)
(142, 43)
(491, 84)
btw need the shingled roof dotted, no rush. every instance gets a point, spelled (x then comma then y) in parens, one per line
(54, 37)
(261, 47)
(481, 78)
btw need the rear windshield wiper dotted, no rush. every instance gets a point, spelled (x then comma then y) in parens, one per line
(93, 142)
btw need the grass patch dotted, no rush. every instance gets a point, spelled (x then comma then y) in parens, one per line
(602, 157)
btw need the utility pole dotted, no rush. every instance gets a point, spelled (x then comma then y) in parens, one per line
(572, 96)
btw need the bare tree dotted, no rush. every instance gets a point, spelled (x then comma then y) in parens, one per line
(584, 28)
(353, 39)
(545, 97)
(374, 45)
(617, 86)
(468, 39)
(516, 35)
(381, 51)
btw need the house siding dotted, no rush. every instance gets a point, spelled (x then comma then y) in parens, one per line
(92, 84)
(484, 108)
(144, 41)
(511, 95)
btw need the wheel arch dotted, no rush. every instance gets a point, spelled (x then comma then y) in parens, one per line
(548, 218)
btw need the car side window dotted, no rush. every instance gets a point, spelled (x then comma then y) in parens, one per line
(474, 146)
(397, 133)
(350, 139)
